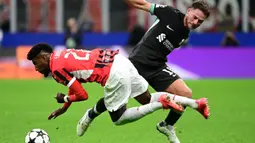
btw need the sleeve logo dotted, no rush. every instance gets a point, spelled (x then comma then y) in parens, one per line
(160, 6)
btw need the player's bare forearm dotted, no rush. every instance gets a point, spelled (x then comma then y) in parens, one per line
(140, 4)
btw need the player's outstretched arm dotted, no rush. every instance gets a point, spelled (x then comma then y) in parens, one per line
(140, 4)
(78, 92)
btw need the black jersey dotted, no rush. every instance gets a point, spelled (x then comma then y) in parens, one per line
(166, 34)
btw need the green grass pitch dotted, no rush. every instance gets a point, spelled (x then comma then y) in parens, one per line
(26, 104)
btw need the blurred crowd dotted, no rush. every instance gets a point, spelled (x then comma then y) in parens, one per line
(4, 16)
(85, 16)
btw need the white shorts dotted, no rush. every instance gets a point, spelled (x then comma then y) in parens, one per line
(123, 83)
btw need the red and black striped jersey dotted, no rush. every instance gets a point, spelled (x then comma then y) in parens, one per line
(86, 66)
(72, 67)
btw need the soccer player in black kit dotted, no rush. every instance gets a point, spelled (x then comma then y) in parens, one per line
(149, 56)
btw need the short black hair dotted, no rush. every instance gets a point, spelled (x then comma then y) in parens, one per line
(203, 6)
(36, 49)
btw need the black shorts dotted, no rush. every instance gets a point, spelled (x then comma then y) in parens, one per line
(159, 78)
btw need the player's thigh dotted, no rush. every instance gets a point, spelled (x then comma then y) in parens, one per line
(179, 87)
(115, 115)
(162, 79)
(117, 89)
(169, 81)
(116, 94)
(139, 86)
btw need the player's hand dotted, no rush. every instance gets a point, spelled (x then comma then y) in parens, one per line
(56, 113)
(61, 98)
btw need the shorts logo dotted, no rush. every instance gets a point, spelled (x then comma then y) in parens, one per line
(169, 71)
(161, 37)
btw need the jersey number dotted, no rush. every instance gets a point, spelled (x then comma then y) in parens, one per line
(78, 57)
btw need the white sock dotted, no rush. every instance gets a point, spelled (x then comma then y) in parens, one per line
(183, 100)
(136, 113)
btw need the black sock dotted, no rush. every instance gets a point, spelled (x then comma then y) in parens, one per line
(172, 117)
(100, 108)
(92, 113)
(162, 124)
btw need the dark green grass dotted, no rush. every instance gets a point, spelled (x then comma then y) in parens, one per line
(26, 104)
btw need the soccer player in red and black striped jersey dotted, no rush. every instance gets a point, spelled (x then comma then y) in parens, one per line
(115, 73)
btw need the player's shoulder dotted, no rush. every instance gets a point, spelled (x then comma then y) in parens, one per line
(168, 13)
(176, 11)
(179, 13)
(161, 6)
(167, 7)
(57, 60)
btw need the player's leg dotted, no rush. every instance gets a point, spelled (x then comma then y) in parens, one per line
(178, 87)
(138, 84)
(97, 109)
(89, 116)
(126, 83)
(201, 105)
(167, 127)
(161, 81)
(125, 115)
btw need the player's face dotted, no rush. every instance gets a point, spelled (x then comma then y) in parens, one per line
(41, 64)
(194, 18)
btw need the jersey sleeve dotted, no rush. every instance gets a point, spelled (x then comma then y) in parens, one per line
(164, 13)
(76, 91)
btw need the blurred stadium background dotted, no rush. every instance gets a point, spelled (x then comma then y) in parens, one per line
(217, 61)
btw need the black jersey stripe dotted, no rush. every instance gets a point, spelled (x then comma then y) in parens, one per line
(99, 65)
(60, 76)
(65, 70)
